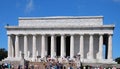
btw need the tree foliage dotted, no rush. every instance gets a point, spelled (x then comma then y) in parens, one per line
(118, 60)
(3, 53)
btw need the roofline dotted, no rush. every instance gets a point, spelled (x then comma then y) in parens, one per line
(60, 17)
(82, 27)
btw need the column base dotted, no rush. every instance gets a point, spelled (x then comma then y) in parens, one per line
(34, 59)
(98, 56)
(89, 56)
(52, 57)
(103, 61)
(11, 59)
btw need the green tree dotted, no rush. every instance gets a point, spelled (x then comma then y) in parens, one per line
(3, 53)
(118, 60)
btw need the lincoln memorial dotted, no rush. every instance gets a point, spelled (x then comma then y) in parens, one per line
(61, 37)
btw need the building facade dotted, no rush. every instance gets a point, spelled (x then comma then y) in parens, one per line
(61, 36)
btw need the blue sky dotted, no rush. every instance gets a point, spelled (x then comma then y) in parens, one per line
(10, 10)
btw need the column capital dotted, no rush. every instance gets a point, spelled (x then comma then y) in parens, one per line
(25, 34)
(62, 34)
(43, 34)
(91, 34)
(72, 34)
(9, 34)
(17, 35)
(101, 34)
(81, 34)
(110, 34)
(34, 34)
(52, 34)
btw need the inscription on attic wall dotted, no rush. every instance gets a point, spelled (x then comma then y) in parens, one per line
(60, 21)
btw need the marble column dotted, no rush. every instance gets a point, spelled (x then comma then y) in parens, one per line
(81, 46)
(17, 46)
(72, 46)
(46, 46)
(110, 46)
(43, 46)
(34, 47)
(62, 46)
(100, 46)
(90, 56)
(9, 46)
(25, 46)
(52, 46)
(12, 49)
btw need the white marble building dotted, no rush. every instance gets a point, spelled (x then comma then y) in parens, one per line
(61, 36)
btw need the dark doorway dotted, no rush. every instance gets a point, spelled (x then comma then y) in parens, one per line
(67, 45)
(49, 45)
(58, 44)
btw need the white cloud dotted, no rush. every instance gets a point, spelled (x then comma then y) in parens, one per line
(29, 6)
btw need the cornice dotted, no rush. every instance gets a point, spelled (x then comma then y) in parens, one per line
(59, 17)
(60, 27)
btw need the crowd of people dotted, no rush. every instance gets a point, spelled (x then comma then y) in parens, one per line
(5, 65)
(54, 63)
